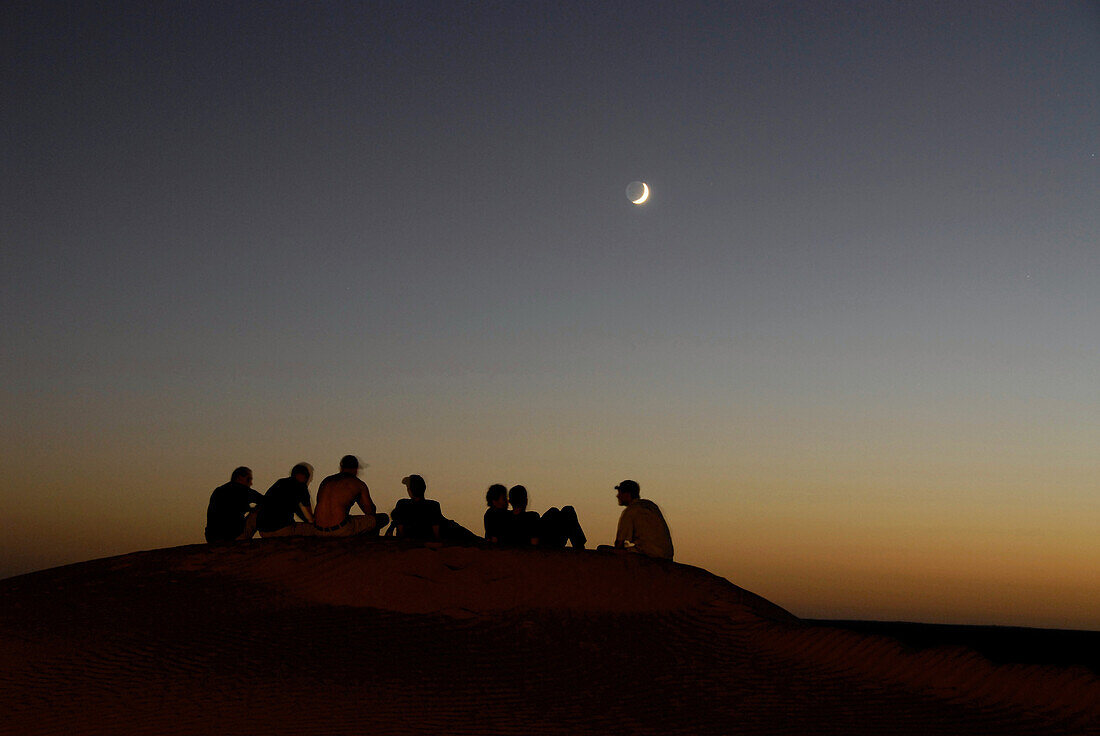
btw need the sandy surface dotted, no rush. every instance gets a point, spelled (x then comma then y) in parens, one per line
(351, 636)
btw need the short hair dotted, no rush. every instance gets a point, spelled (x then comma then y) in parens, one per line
(349, 462)
(517, 496)
(303, 469)
(415, 484)
(630, 487)
(240, 472)
(495, 491)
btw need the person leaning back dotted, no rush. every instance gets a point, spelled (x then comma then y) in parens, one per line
(335, 497)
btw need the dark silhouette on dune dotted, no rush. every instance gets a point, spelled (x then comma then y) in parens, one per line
(335, 497)
(421, 519)
(288, 497)
(231, 513)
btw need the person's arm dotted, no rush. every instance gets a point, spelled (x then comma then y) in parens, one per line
(625, 531)
(437, 524)
(305, 512)
(365, 502)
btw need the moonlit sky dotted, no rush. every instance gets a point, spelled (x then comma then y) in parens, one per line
(850, 345)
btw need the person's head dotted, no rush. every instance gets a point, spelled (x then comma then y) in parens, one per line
(242, 475)
(517, 496)
(627, 491)
(302, 472)
(350, 464)
(415, 484)
(497, 496)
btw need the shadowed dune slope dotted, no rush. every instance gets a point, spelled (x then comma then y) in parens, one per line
(317, 636)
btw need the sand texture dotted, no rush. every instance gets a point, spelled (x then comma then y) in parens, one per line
(361, 636)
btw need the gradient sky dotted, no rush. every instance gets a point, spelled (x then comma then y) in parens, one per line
(850, 345)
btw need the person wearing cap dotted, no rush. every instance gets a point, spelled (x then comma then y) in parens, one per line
(231, 514)
(642, 527)
(335, 497)
(416, 517)
(287, 498)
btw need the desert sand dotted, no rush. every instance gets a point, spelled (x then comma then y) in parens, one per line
(367, 636)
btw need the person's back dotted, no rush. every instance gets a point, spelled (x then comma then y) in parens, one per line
(287, 498)
(335, 497)
(523, 529)
(418, 518)
(229, 515)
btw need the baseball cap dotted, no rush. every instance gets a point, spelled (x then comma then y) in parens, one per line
(628, 486)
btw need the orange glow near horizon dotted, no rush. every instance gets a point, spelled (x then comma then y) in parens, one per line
(837, 553)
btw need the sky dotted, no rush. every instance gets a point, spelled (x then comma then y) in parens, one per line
(849, 345)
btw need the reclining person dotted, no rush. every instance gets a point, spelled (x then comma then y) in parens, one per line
(335, 497)
(287, 498)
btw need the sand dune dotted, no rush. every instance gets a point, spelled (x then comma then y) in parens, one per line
(316, 636)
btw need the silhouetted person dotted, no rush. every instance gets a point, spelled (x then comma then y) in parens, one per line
(335, 497)
(230, 514)
(642, 527)
(498, 519)
(416, 517)
(524, 528)
(287, 498)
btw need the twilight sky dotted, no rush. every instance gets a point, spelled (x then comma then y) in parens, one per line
(850, 345)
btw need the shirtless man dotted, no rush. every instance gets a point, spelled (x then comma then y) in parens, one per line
(335, 497)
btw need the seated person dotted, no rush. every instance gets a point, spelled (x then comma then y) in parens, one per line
(416, 517)
(231, 515)
(524, 528)
(498, 519)
(289, 497)
(560, 526)
(642, 527)
(335, 497)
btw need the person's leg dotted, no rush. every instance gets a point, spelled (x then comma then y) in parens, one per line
(249, 526)
(455, 533)
(294, 529)
(551, 532)
(571, 526)
(365, 524)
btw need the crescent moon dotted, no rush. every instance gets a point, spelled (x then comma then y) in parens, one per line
(645, 195)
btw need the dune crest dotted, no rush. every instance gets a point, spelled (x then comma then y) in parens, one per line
(308, 636)
(412, 578)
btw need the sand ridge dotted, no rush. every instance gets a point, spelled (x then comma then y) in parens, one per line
(314, 636)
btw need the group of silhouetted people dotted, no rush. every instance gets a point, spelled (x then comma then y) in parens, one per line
(237, 512)
(518, 527)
